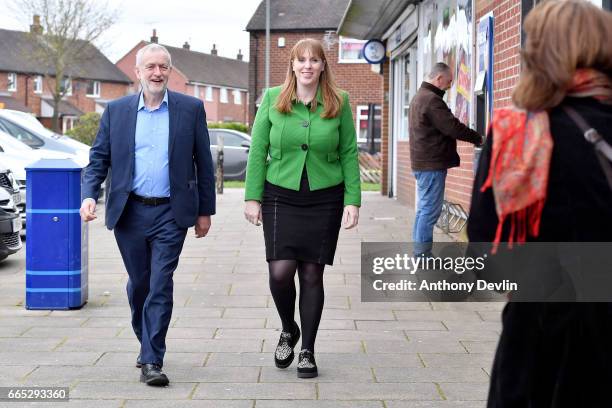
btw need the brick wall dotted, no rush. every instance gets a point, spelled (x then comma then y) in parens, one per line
(507, 35)
(362, 85)
(79, 98)
(507, 42)
(384, 129)
(222, 112)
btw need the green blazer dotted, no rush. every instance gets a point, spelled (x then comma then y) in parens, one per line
(327, 147)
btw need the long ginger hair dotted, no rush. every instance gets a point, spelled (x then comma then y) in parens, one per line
(561, 37)
(332, 99)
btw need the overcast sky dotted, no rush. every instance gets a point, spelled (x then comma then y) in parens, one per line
(200, 22)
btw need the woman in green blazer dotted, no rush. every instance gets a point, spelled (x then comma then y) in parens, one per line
(302, 182)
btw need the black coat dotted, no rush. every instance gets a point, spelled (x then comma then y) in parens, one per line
(556, 354)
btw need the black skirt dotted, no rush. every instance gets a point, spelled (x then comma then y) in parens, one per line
(302, 225)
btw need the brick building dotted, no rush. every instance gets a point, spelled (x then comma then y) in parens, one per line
(480, 40)
(25, 84)
(292, 20)
(221, 83)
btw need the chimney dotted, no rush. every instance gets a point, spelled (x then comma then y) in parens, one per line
(36, 28)
(154, 37)
(239, 56)
(214, 50)
(186, 45)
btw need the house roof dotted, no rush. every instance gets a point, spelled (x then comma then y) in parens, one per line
(8, 102)
(299, 15)
(210, 69)
(17, 48)
(65, 108)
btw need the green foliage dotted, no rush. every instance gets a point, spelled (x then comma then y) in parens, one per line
(241, 127)
(86, 128)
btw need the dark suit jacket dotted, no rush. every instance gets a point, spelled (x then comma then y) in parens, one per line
(192, 186)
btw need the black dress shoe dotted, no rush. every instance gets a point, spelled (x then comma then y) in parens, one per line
(283, 356)
(307, 367)
(138, 361)
(151, 374)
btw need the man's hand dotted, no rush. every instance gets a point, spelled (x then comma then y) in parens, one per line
(88, 210)
(350, 218)
(202, 226)
(252, 212)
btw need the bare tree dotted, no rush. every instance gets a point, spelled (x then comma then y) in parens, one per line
(64, 42)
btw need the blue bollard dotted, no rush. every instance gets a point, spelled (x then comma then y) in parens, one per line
(56, 242)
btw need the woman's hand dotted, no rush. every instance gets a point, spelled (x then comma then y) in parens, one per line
(252, 212)
(350, 218)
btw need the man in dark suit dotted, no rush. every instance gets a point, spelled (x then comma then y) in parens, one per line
(161, 183)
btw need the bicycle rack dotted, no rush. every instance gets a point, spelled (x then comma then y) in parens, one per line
(453, 217)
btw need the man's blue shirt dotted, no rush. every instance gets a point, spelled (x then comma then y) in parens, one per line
(151, 175)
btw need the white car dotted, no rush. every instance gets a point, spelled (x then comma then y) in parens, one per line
(27, 129)
(16, 156)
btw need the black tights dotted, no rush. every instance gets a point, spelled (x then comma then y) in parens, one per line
(282, 286)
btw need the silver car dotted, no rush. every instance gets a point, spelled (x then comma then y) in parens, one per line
(235, 152)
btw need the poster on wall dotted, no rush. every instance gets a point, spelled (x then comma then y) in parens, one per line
(447, 37)
(463, 81)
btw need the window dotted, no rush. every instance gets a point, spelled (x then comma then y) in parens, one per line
(93, 88)
(362, 119)
(68, 123)
(38, 84)
(351, 51)
(229, 139)
(196, 91)
(237, 97)
(11, 85)
(209, 93)
(66, 86)
(21, 134)
(223, 97)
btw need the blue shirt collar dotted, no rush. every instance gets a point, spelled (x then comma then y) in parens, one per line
(141, 104)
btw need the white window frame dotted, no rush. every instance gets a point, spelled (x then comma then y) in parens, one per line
(209, 94)
(223, 98)
(11, 84)
(359, 117)
(68, 88)
(97, 89)
(196, 91)
(38, 84)
(237, 97)
(345, 60)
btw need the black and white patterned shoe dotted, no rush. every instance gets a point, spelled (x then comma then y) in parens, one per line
(283, 356)
(307, 367)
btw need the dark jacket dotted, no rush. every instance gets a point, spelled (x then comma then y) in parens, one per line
(192, 182)
(434, 131)
(549, 354)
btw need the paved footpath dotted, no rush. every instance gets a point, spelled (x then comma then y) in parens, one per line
(224, 329)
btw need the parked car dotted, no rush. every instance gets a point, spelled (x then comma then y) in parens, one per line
(16, 156)
(29, 130)
(10, 222)
(235, 152)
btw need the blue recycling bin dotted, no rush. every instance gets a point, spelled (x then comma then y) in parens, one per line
(56, 241)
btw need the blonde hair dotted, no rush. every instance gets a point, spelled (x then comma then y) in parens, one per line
(561, 37)
(332, 99)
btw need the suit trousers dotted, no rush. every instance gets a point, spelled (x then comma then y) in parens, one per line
(150, 243)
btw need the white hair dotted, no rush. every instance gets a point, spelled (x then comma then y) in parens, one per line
(439, 68)
(152, 47)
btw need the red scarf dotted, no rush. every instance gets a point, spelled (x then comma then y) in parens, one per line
(520, 160)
